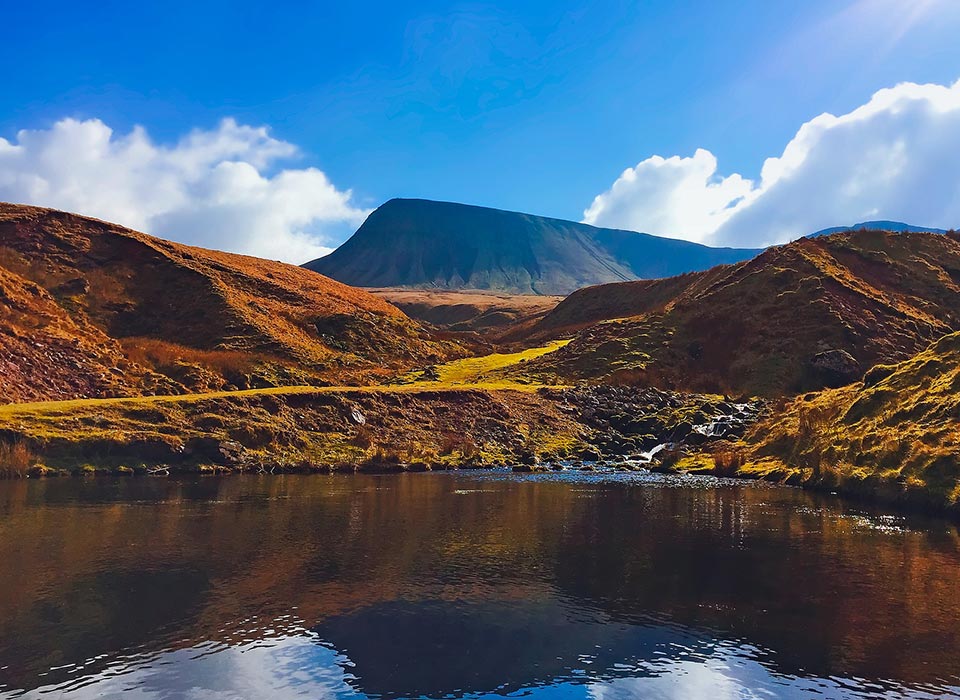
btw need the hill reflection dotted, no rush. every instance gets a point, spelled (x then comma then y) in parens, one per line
(441, 584)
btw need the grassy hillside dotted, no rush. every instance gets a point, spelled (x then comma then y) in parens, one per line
(424, 244)
(895, 435)
(807, 315)
(124, 313)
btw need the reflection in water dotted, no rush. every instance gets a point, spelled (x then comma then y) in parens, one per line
(435, 585)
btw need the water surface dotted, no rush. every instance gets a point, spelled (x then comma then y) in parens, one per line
(469, 585)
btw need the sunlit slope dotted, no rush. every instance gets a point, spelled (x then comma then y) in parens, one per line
(142, 315)
(897, 432)
(813, 313)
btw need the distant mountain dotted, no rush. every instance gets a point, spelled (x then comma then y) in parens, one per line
(425, 244)
(895, 226)
(91, 309)
(813, 313)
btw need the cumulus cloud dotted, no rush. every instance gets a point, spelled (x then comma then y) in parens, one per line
(892, 158)
(670, 195)
(213, 188)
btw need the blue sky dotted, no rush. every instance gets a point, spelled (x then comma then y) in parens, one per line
(536, 106)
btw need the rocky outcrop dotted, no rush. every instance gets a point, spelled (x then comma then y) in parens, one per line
(635, 422)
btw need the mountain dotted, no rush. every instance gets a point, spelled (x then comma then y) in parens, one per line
(88, 308)
(892, 436)
(896, 226)
(813, 313)
(425, 244)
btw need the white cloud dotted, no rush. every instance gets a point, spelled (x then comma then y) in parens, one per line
(212, 188)
(892, 158)
(668, 196)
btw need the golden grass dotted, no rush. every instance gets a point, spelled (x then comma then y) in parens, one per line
(898, 432)
(486, 370)
(153, 352)
(460, 375)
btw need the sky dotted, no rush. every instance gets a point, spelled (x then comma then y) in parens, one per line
(274, 128)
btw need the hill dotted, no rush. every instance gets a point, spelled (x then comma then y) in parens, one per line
(893, 436)
(896, 226)
(88, 308)
(425, 244)
(468, 310)
(813, 313)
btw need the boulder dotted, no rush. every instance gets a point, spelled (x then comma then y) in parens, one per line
(835, 367)
(590, 454)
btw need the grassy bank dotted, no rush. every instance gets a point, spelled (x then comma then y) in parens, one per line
(299, 428)
(893, 438)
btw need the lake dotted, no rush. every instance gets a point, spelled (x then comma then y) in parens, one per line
(484, 584)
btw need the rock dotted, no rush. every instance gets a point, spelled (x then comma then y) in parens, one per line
(430, 374)
(836, 367)
(681, 431)
(231, 451)
(529, 468)
(356, 415)
(74, 287)
(589, 455)
(529, 459)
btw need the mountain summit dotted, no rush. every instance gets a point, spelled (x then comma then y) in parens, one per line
(426, 244)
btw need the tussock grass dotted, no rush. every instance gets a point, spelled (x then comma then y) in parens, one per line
(153, 352)
(15, 459)
(896, 434)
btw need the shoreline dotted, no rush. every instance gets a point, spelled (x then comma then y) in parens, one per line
(418, 428)
(904, 503)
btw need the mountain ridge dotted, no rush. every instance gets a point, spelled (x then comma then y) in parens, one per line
(881, 225)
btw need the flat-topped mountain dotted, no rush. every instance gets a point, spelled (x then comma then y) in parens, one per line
(815, 312)
(425, 244)
(91, 309)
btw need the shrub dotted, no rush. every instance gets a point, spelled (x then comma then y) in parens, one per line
(877, 374)
(451, 443)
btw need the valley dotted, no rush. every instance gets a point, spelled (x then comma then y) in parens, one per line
(783, 367)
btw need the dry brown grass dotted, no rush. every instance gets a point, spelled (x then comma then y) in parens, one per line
(364, 438)
(455, 443)
(756, 327)
(728, 459)
(153, 352)
(15, 459)
(898, 433)
(83, 287)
